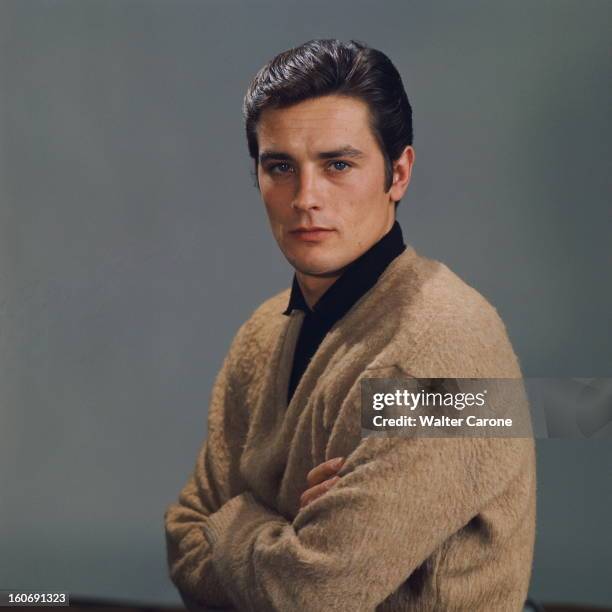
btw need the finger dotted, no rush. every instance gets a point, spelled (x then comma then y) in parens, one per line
(323, 471)
(314, 492)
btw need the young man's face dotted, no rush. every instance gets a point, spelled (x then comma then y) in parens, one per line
(320, 166)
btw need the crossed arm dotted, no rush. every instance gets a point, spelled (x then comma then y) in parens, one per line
(342, 549)
(319, 480)
(350, 545)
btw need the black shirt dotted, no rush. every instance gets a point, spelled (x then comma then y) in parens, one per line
(359, 276)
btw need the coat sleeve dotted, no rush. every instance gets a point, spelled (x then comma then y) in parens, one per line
(215, 479)
(397, 501)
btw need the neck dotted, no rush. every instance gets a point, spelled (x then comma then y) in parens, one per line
(313, 287)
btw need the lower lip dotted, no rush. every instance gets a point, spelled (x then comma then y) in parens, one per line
(313, 236)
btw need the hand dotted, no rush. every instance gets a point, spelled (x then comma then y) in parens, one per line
(320, 479)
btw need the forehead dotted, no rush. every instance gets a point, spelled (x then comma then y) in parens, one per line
(317, 124)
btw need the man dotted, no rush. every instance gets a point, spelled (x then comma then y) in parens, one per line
(288, 508)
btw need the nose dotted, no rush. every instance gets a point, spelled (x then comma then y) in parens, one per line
(307, 194)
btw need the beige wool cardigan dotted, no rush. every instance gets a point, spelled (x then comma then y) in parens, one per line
(417, 524)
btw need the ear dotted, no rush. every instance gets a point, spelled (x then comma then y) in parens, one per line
(402, 170)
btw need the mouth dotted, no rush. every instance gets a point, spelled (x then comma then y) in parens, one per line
(311, 234)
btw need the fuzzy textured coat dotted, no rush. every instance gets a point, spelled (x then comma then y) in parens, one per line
(418, 524)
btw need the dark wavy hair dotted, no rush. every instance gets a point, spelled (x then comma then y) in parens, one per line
(328, 66)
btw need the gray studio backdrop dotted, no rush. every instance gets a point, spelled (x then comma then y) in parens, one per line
(133, 244)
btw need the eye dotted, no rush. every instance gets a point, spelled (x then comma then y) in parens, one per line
(280, 168)
(339, 166)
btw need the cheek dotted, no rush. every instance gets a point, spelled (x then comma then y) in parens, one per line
(365, 180)
(276, 209)
(276, 193)
(357, 196)
(270, 196)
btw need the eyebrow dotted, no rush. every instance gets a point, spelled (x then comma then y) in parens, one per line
(346, 151)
